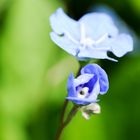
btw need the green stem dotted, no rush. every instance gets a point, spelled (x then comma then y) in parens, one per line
(63, 111)
(71, 114)
(61, 127)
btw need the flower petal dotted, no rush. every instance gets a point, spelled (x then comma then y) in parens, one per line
(122, 44)
(91, 83)
(94, 53)
(90, 69)
(95, 92)
(91, 99)
(70, 86)
(81, 101)
(82, 79)
(64, 43)
(61, 23)
(97, 24)
(103, 80)
(92, 36)
(101, 74)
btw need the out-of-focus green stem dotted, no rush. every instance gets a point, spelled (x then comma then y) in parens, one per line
(63, 111)
(72, 113)
(63, 124)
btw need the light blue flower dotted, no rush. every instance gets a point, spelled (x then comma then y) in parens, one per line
(92, 36)
(91, 82)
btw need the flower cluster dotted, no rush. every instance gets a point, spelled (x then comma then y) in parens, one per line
(91, 37)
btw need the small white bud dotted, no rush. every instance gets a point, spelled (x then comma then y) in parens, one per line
(90, 109)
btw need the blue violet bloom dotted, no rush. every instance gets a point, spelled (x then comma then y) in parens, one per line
(91, 82)
(92, 36)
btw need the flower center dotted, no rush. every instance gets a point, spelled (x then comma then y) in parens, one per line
(83, 92)
(88, 42)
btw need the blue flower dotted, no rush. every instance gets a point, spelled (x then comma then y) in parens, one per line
(91, 82)
(92, 36)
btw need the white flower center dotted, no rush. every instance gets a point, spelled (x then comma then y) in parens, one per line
(88, 42)
(83, 92)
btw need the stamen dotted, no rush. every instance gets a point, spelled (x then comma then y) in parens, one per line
(71, 38)
(83, 33)
(89, 42)
(86, 41)
(102, 38)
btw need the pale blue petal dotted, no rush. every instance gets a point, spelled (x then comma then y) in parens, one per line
(61, 24)
(82, 79)
(122, 44)
(64, 43)
(94, 53)
(97, 24)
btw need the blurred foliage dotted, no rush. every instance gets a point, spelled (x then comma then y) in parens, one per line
(33, 74)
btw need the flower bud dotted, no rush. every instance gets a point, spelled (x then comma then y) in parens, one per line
(90, 109)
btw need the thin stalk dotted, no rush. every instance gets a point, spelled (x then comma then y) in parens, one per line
(71, 114)
(64, 123)
(61, 126)
(63, 111)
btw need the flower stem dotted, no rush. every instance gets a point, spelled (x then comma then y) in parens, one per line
(63, 124)
(59, 132)
(71, 114)
(61, 127)
(63, 111)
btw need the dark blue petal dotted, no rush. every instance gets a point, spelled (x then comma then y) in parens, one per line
(101, 74)
(91, 83)
(81, 101)
(70, 86)
(90, 69)
(103, 80)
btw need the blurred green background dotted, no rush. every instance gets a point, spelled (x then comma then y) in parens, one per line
(33, 74)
